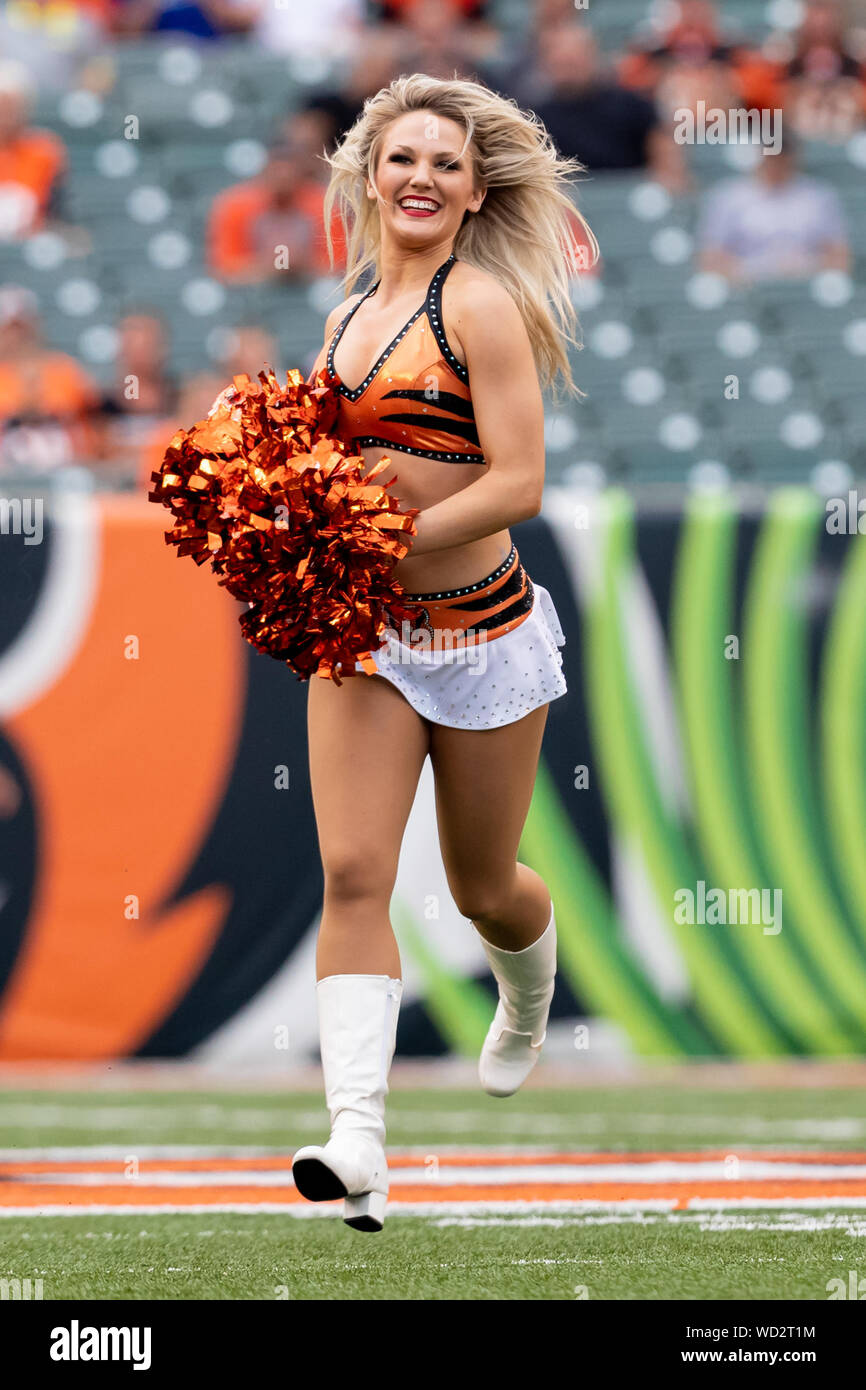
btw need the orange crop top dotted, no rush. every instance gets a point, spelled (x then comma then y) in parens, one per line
(416, 396)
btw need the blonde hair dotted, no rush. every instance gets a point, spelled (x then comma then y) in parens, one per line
(523, 234)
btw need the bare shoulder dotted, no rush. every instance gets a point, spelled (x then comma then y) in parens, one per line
(474, 290)
(473, 300)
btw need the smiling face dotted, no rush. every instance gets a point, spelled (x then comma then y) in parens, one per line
(426, 180)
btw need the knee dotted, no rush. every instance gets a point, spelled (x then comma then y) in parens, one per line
(477, 900)
(351, 877)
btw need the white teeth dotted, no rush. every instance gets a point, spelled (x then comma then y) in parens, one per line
(422, 203)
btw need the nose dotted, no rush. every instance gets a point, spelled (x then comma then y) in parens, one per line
(421, 175)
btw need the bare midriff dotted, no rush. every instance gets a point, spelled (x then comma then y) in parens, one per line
(422, 483)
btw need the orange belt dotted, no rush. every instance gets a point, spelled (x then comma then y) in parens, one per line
(476, 613)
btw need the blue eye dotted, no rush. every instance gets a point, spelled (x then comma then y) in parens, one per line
(442, 162)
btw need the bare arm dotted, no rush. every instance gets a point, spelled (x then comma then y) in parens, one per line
(509, 413)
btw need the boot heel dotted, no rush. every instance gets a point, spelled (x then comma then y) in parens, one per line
(365, 1212)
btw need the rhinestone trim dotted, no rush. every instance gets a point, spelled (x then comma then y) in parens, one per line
(365, 441)
(439, 693)
(435, 314)
(470, 588)
(433, 307)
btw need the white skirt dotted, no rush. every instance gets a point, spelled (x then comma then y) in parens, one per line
(486, 685)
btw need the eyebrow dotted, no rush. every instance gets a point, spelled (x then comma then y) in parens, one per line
(450, 153)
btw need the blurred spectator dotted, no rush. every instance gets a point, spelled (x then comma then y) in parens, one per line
(249, 349)
(692, 62)
(205, 19)
(250, 346)
(272, 225)
(324, 119)
(547, 13)
(143, 393)
(823, 83)
(197, 395)
(143, 384)
(592, 118)
(775, 223)
(32, 161)
(322, 29)
(59, 41)
(48, 403)
(394, 11)
(524, 77)
(377, 62)
(311, 131)
(436, 38)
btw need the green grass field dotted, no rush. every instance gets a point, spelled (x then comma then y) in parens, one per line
(548, 1252)
(247, 1257)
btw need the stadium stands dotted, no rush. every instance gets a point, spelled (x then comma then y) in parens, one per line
(661, 339)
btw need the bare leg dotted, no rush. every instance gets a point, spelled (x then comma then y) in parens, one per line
(484, 781)
(367, 747)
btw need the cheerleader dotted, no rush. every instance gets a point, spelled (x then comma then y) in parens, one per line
(457, 201)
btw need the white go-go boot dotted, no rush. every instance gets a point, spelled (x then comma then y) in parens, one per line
(357, 1035)
(515, 1038)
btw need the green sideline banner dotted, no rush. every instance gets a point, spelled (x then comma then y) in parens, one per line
(699, 813)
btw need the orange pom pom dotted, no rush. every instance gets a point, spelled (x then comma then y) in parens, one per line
(290, 520)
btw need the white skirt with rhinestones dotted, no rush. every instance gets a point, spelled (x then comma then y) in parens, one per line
(482, 686)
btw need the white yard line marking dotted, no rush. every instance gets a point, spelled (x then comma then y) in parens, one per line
(663, 1170)
(517, 1212)
(72, 1153)
(475, 1175)
(785, 1221)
